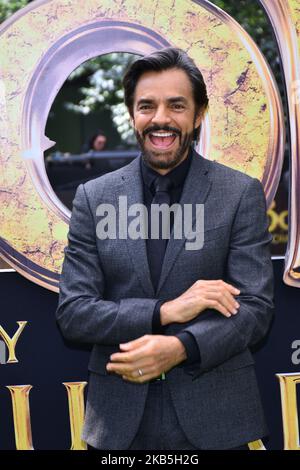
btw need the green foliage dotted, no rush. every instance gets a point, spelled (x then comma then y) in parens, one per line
(8, 7)
(102, 81)
(102, 89)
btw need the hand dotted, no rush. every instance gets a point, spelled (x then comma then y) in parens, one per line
(203, 294)
(153, 354)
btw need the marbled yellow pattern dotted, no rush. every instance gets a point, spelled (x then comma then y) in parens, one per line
(241, 100)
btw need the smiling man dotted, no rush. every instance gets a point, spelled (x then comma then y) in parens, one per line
(165, 122)
(171, 329)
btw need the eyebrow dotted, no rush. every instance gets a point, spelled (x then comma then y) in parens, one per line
(173, 99)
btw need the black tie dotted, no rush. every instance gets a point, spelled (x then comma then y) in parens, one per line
(157, 247)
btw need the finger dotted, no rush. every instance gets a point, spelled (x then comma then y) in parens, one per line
(225, 298)
(120, 357)
(135, 343)
(231, 288)
(131, 355)
(135, 375)
(215, 304)
(221, 283)
(140, 379)
(226, 304)
(120, 368)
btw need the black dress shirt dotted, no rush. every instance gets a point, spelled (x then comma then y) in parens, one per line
(177, 175)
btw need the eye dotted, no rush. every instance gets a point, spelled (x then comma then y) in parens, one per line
(178, 106)
(145, 107)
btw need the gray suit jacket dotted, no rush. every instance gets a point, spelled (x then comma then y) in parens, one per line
(107, 298)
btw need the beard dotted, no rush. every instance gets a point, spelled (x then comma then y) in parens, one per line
(164, 160)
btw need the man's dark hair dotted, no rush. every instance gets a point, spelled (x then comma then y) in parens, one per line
(158, 61)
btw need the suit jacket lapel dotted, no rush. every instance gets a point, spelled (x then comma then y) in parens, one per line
(195, 191)
(131, 185)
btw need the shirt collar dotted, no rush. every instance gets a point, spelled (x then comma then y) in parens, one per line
(177, 174)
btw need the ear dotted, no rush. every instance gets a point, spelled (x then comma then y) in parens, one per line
(199, 118)
(131, 119)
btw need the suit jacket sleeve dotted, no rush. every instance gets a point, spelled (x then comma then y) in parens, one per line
(83, 314)
(187, 339)
(249, 268)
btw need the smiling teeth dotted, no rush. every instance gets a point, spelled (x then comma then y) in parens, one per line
(160, 134)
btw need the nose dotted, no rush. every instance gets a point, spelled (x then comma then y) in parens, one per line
(161, 116)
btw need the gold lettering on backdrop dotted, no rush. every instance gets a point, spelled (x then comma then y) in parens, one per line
(288, 392)
(11, 342)
(277, 219)
(21, 415)
(256, 445)
(75, 392)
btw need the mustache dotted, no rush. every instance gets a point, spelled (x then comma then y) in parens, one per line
(161, 128)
